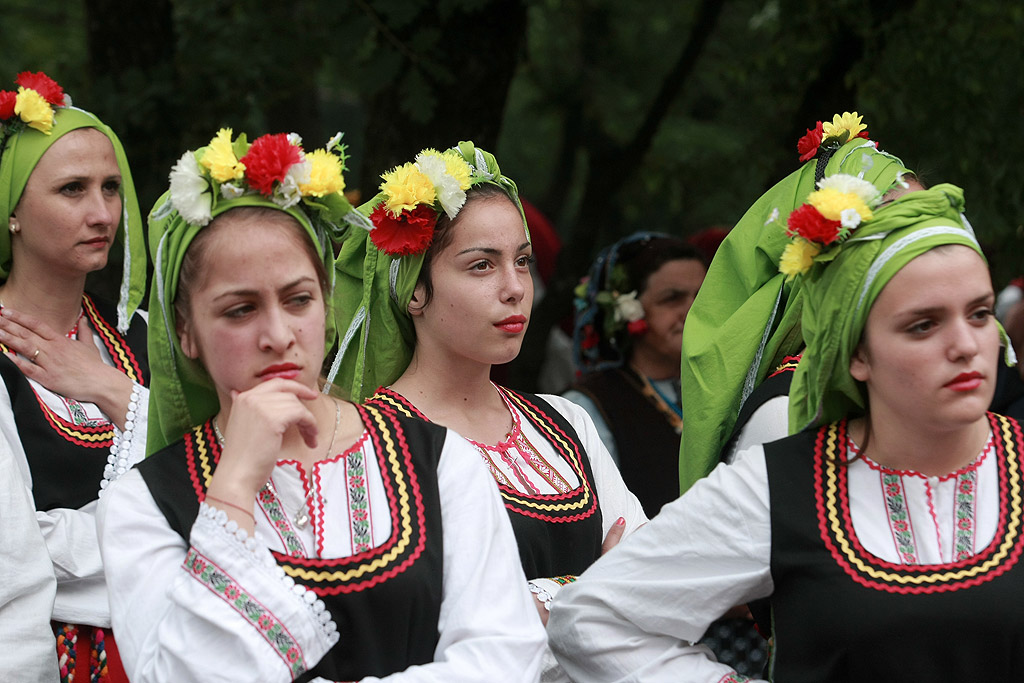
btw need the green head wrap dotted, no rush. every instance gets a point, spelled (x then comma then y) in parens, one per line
(746, 317)
(206, 183)
(22, 145)
(377, 271)
(840, 289)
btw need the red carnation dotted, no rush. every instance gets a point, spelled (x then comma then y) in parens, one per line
(590, 338)
(406, 235)
(864, 134)
(809, 143)
(42, 84)
(808, 222)
(637, 327)
(7, 100)
(268, 160)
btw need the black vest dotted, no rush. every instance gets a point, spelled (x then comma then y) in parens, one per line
(386, 601)
(647, 443)
(559, 533)
(840, 614)
(67, 460)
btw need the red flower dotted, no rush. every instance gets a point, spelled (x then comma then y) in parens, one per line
(231, 593)
(265, 622)
(406, 235)
(864, 134)
(292, 654)
(809, 143)
(42, 84)
(808, 222)
(964, 523)
(590, 338)
(637, 327)
(268, 160)
(7, 101)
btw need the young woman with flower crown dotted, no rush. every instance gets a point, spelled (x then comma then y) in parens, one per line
(898, 501)
(438, 292)
(278, 533)
(73, 396)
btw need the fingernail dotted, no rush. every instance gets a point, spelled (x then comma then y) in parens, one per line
(620, 521)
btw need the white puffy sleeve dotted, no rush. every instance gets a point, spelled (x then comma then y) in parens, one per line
(634, 614)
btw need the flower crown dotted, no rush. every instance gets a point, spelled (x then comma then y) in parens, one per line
(833, 211)
(273, 166)
(414, 196)
(621, 311)
(32, 105)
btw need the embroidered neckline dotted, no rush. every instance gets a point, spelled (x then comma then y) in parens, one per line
(672, 414)
(854, 451)
(835, 522)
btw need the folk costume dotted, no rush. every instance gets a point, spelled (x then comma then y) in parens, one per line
(68, 450)
(640, 417)
(560, 487)
(362, 567)
(852, 556)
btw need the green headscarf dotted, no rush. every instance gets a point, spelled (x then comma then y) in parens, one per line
(746, 316)
(838, 295)
(182, 394)
(21, 148)
(374, 288)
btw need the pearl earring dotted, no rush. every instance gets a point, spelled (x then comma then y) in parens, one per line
(13, 226)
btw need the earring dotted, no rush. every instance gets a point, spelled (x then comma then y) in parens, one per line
(13, 226)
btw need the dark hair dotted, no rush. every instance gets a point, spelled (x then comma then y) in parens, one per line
(644, 257)
(191, 275)
(443, 234)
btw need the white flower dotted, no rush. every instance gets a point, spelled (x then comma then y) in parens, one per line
(773, 217)
(335, 140)
(231, 191)
(451, 196)
(842, 182)
(628, 308)
(849, 218)
(287, 193)
(190, 192)
(295, 139)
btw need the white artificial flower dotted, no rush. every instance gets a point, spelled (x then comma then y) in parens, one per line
(773, 217)
(190, 192)
(335, 140)
(451, 196)
(231, 191)
(849, 218)
(295, 139)
(287, 193)
(628, 307)
(842, 182)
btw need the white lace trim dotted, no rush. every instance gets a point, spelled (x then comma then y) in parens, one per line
(120, 461)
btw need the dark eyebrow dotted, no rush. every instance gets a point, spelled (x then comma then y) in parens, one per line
(253, 292)
(931, 310)
(490, 250)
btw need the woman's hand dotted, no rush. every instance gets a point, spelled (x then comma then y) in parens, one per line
(614, 535)
(255, 436)
(70, 367)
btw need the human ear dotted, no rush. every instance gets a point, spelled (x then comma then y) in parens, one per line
(860, 367)
(188, 343)
(419, 293)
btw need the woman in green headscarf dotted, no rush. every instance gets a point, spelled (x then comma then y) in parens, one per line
(277, 533)
(889, 520)
(74, 367)
(437, 293)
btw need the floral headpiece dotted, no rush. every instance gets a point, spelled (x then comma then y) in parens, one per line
(273, 166)
(622, 311)
(833, 211)
(32, 105)
(414, 196)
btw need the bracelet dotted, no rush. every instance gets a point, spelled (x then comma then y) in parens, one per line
(237, 507)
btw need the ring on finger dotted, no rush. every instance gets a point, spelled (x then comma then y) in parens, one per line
(34, 356)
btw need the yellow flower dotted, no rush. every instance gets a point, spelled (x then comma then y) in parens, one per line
(34, 110)
(797, 257)
(406, 186)
(849, 121)
(219, 158)
(324, 174)
(831, 203)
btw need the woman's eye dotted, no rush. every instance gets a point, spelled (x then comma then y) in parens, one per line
(238, 311)
(982, 314)
(480, 265)
(112, 186)
(921, 327)
(301, 300)
(71, 188)
(525, 261)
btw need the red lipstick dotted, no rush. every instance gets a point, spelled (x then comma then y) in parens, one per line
(285, 370)
(513, 324)
(965, 381)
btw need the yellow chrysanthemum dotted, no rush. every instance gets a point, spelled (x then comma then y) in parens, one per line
(457, 168)
(850, 121)
(219, 158)
(831, 203)
(798, 257)
(406, 186)
(34, 110)
(324, 174)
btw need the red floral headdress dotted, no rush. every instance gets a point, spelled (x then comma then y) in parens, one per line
(32, 105)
